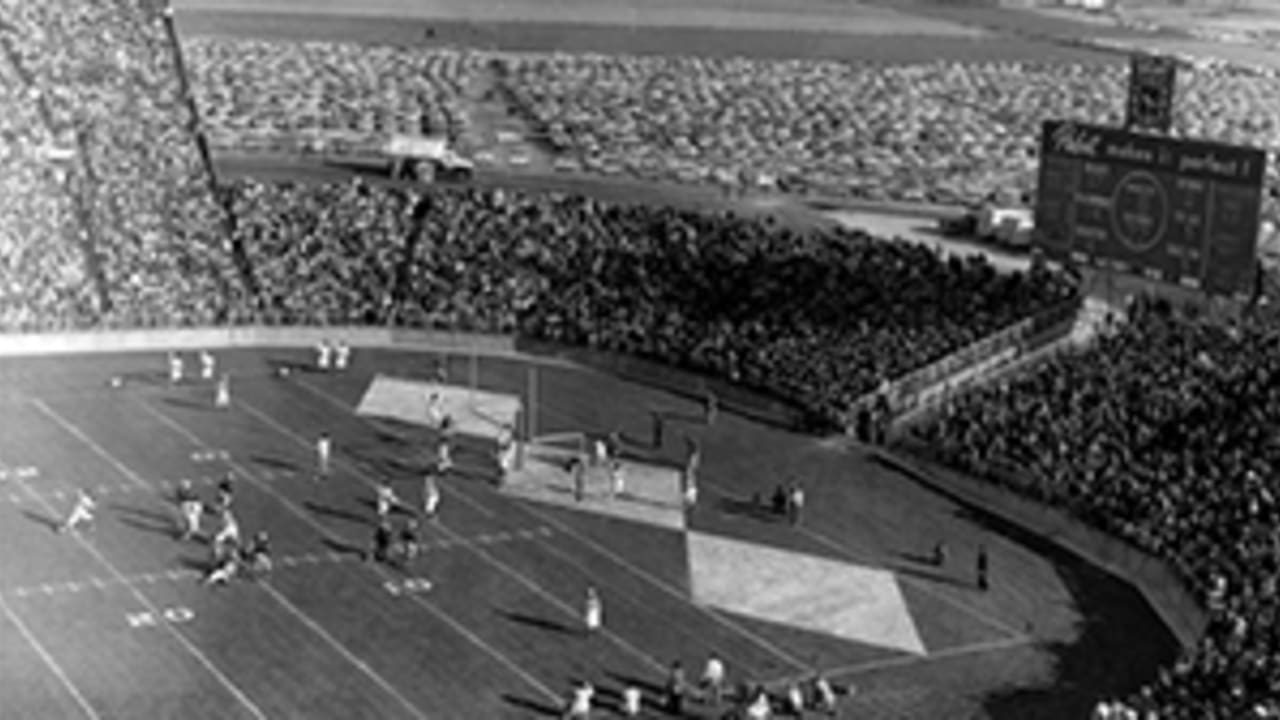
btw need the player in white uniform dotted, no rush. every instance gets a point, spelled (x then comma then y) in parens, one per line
(323, 353)
(189, 505)
(228, 535)
(617, 483)
(592, 611)
(601, 454)
(689, 488)
(341, 356)
(324, 446)
(631, 701)
(207, 365)
(81, 513)
(430, 495)
(386, 500)
(175, 368)
(222, 396)
(224, 568)
(444, 455)
(579, 706)
(435, 413)
(713, 679)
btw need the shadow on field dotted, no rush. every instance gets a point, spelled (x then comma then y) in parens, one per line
(936, 577)
(1120, 641)
(273, 463)
(336, 513)
(45, 520)
(537, 622)
(343, 547)
(189, 403)
(540, 709)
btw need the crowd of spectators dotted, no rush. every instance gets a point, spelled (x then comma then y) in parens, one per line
(1163, 434)
(259, 91)
(113, 216)
(706, 291)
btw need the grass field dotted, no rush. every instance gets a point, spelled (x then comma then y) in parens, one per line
(113, 623)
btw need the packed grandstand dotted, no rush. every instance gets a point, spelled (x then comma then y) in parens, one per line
(1161, 433)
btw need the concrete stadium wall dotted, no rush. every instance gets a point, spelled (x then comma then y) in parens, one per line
(1153, 578)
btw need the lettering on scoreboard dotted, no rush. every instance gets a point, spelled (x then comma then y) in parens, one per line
(1182, 211)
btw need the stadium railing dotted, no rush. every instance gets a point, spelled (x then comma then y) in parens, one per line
(935, 384)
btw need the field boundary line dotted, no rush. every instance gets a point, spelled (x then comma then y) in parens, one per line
(48, 659)
(511, 572)
(457, 625)
(772, 649)
(346, 408)
(141, 597)
(342, 650)
(80, 435)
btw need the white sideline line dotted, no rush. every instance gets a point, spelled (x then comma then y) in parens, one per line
(82, 437)
(49, 661)
(288, 504)
(342, 650)
(444, 487)
(145, 602)
(986, 646)
(511, 572)
(662, 585)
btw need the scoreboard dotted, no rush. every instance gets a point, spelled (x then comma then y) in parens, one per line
(1182, 211)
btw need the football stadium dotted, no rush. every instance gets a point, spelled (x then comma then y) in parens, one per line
(668, 359)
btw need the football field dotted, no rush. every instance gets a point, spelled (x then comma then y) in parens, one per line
(113, 621)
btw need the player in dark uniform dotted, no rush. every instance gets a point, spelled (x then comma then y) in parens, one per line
(226, 492)
(382, 540)
(982, 567)
(410, 540)
(256, 556)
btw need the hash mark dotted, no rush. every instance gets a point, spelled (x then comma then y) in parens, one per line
(46, 589)
(73, 587)
(20, 592)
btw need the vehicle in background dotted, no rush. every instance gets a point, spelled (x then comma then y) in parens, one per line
(1004, 226)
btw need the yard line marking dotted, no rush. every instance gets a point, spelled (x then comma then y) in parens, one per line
(306, 517)
(49, 661)
(343, 651)
(660, 584)
(342, 405)
(146, 603)
(511, 572)
(79, 434)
